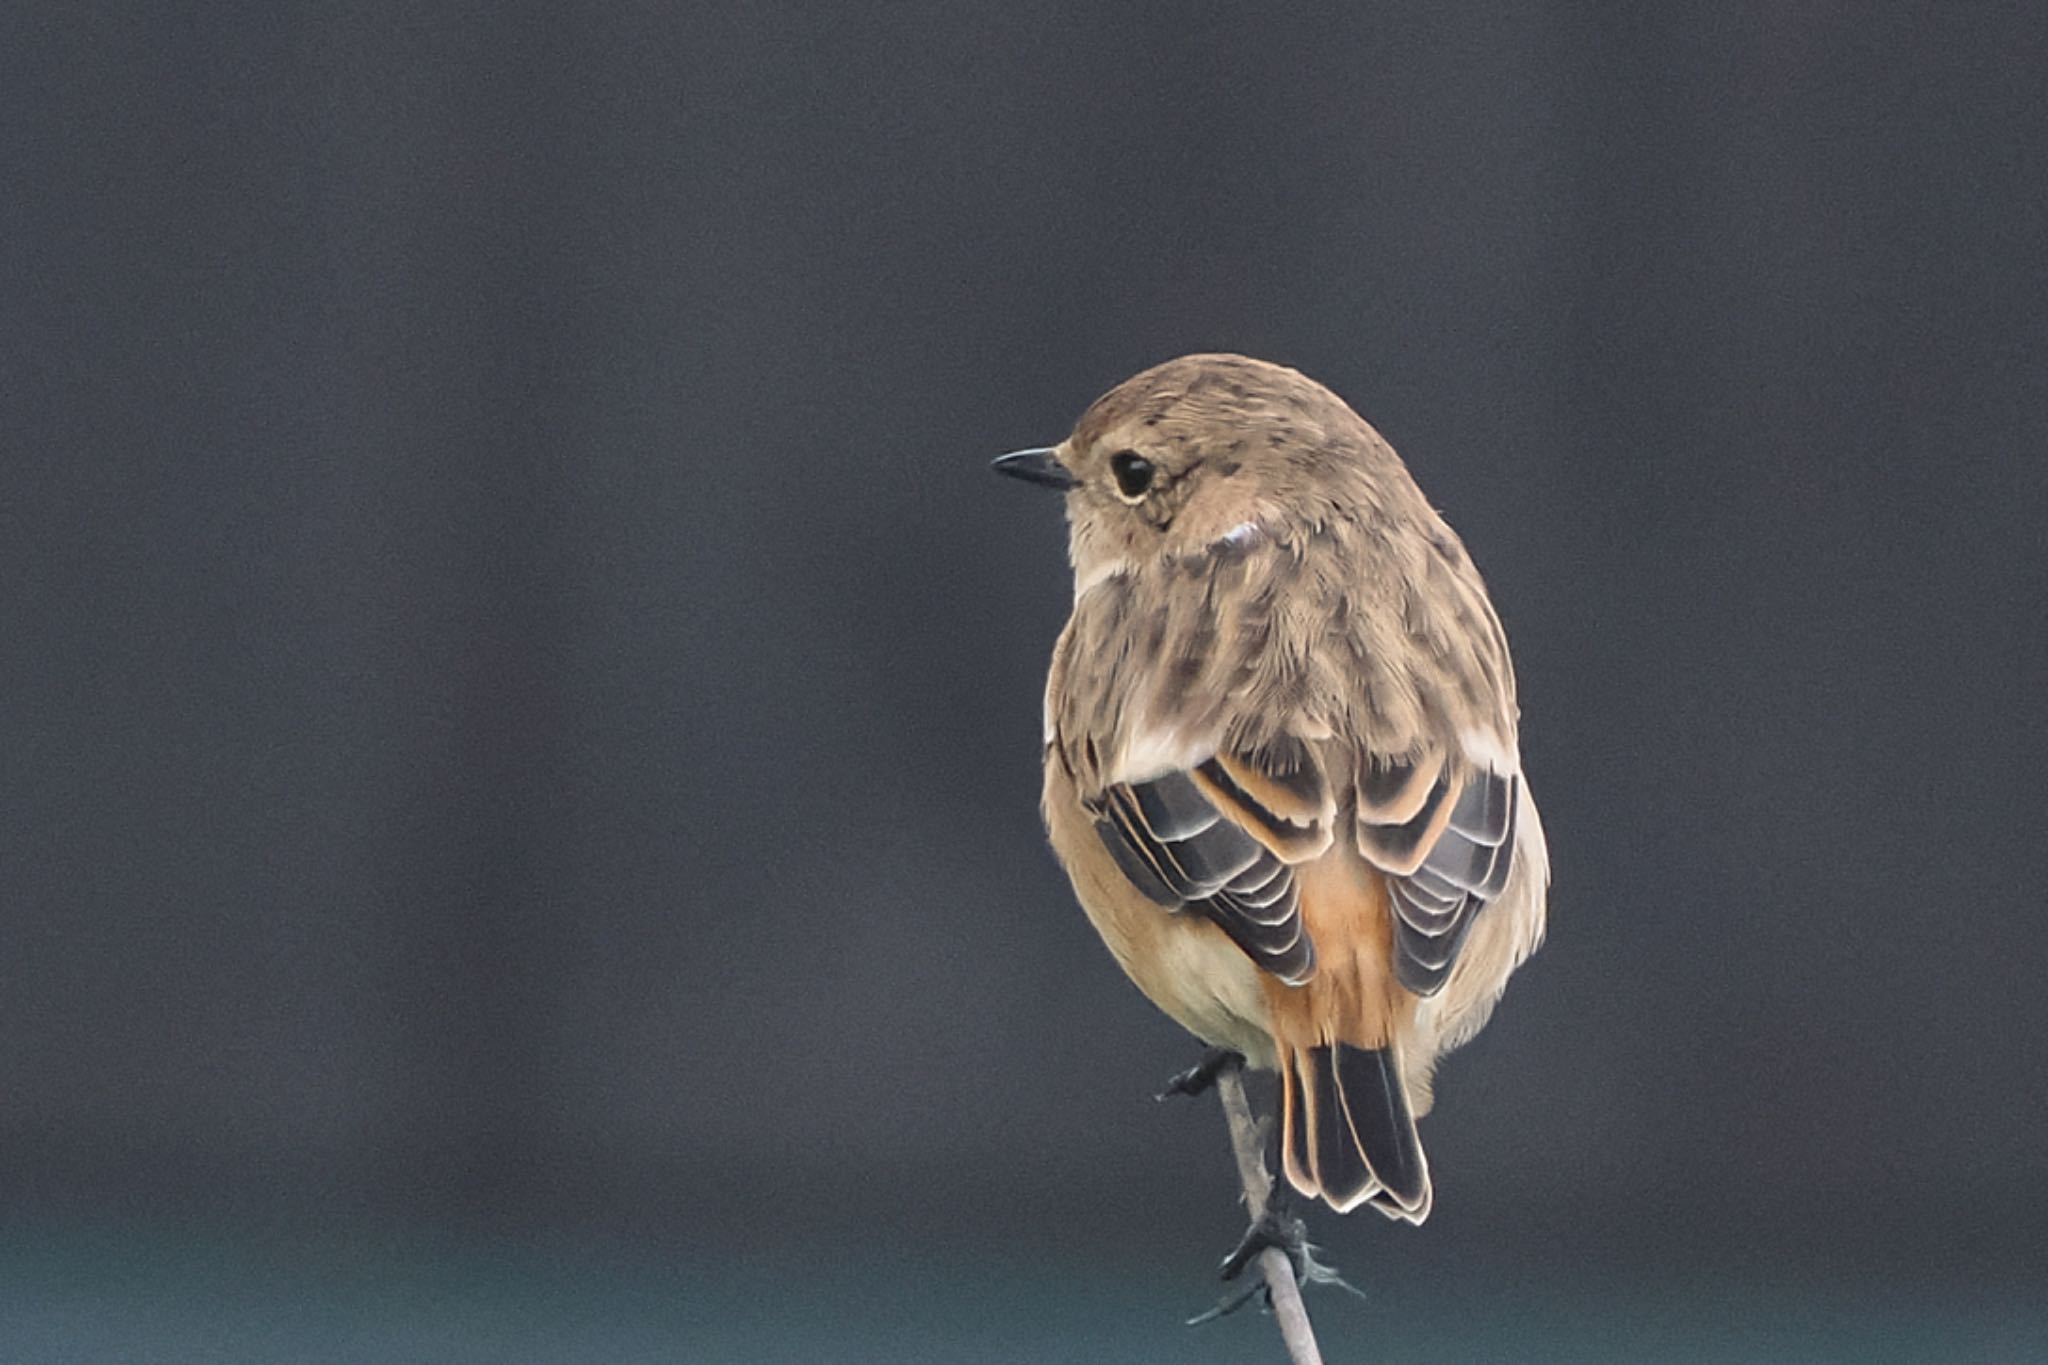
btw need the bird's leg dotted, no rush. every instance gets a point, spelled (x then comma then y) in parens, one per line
(1202, 1075)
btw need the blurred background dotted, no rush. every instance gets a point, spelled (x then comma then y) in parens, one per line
(519, 700)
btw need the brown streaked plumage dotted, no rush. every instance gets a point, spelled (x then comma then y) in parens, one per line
(1281, 753)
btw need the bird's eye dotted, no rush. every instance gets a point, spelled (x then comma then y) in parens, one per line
(1133, 473)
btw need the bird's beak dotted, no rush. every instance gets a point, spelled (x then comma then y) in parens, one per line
(1037, 465)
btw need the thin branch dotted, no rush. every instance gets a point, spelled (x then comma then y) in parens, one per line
(1249, 1145)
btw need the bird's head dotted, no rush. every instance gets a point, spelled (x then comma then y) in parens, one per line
(1204, 451)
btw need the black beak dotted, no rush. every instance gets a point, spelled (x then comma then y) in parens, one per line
(1035, 466)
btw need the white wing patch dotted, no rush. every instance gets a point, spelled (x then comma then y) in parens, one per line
(1242, 535)
(1155, 751)
(1486, 751)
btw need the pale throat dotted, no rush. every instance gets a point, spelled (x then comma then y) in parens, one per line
(1098, 572)
(1099, 569)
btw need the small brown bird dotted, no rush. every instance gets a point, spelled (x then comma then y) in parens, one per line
(1281, 765)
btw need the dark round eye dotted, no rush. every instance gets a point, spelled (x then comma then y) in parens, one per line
(1133, 473)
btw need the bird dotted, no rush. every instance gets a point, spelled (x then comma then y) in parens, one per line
(1281, 757)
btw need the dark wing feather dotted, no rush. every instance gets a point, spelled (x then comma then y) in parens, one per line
(1446, 856)
(1219, 839)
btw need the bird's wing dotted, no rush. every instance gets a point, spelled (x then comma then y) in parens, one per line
(1441, 827)
(1220, 838)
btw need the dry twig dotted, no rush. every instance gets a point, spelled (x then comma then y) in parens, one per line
(1248, 1143)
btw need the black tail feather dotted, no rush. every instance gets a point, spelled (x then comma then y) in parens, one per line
(1348, 1135)
(1341, 1168)
(1377, 1103)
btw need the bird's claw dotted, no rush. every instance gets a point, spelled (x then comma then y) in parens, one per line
(1230, 1303)
(1202, 1075)
(1281, 1230)
(1275, 1228)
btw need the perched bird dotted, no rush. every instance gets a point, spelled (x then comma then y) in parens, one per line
(1281, 765)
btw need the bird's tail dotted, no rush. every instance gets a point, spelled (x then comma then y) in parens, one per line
(1346, 1133)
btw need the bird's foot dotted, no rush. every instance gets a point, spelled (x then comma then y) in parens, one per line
(1280, 1229)
(1202, 1075)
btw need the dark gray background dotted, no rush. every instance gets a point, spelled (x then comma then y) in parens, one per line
(519, 701)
